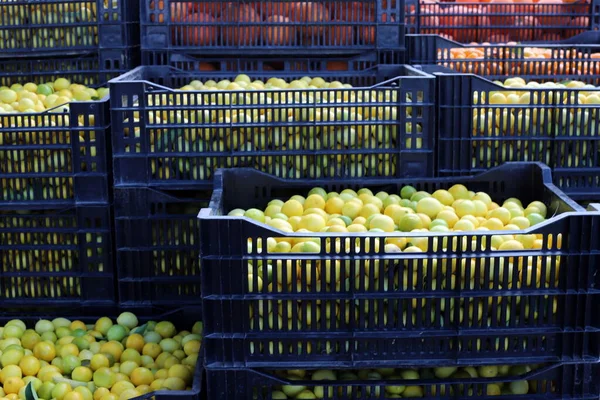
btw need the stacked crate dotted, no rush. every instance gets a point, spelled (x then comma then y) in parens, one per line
(55, 214)
(103, 34)
(405, 320)
(167, 143)
(536, 41)
(551, 124)
(56, 166)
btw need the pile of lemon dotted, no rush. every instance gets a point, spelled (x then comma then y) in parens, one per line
(69, 360)
(455, 209)
(34, 98)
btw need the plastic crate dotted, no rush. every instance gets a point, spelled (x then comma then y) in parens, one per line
(402, 312)
(554, 127)
(246, 27)
(181, 317)
(574, 58)
(94, 69)
(157, 246)
(56, 158)
(503, 21)
(56, 259)
(560, 381)
(32, 28)
(324, 148)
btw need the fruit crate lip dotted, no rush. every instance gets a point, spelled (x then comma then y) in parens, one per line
(214, 210)
(541, 371)
(139, 75)
(585, 40)
(588, 42)
(436, 70)
(514, 9)
(574, 382)
(427, 49)
(389, 35)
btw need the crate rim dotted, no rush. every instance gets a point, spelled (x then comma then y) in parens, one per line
(210, 212)
(438, 70)
(573, 42)
(123, 78)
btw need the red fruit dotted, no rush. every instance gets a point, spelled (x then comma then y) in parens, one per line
(350, 12)
(551, 14)
(368, 34)
(268, 9)
(245, 34)
(309, 12)
(282, 34)
(501, 12)
(339, 34)
(214, 8)
(197, 33)
(525, 29)
(462, 22)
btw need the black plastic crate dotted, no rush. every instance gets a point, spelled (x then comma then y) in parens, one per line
(406, 310)
(61, 156)
(183, 318)
(550, 125)
(157, 246)
(30, 28)
(559, 381)
(183, 148)
(272, 27)
(575, 58)
(56, 259)
(502, 22)
(94, 69)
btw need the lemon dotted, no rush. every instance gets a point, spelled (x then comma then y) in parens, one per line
(459, 192)
(292, 208)
(444, 197)
(351, 209)
(382, 222)
(314, 201)
(540, 206)
(464, 207)
(368, 209)
(409, 222)
(500, 213)
(449, 217)
(312, 222)
(429, 206)
(334, 205)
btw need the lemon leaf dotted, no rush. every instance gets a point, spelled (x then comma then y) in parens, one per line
(30, 393)
(140, 329)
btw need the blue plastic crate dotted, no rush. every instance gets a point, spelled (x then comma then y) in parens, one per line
(182, 318)
(401, 312)
(558, 381)
(502, 22)
(55, 259)
(245, 27)
(57, 158)
(157, 246)
(179, 146)
(551, 125)
(33, 28)
(574, 58)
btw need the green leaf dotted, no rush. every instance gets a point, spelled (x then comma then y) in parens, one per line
(140, 329)
(30, 393)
